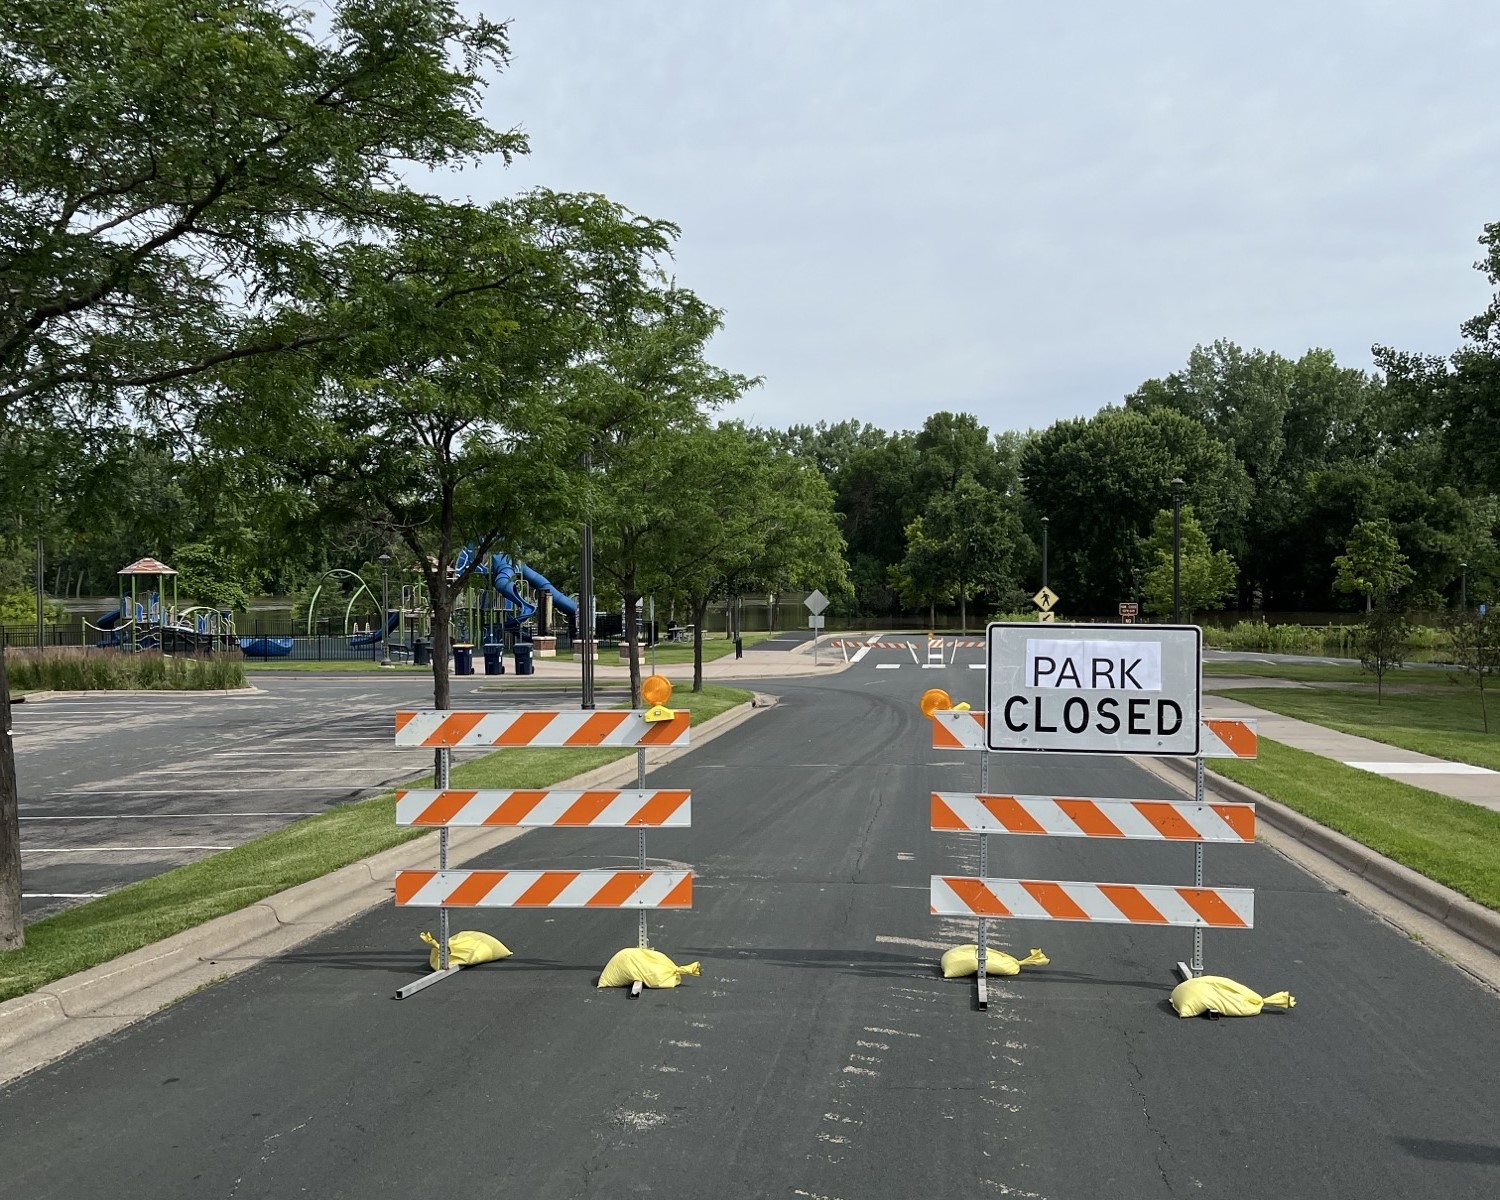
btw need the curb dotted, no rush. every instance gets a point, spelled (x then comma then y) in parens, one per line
(1451, 909)
(42, 1026)
(41, 697)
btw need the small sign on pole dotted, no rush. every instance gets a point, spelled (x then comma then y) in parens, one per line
(1129, 611)
(815, 604)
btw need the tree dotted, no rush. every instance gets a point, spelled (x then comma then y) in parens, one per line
(1207, 575)
(1476, 651)
(438, 425)
(175, 170)
(646, 381)
(1374, 565)
(745, 512)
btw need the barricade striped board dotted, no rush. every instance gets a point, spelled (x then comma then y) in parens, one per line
(1106, 903)
(1061, 816)
(545, 889)
(634, 809)
(521, 727)
(1219, 737)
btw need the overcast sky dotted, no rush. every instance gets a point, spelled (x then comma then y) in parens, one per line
(1024, 210)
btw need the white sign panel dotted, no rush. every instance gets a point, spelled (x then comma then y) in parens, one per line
(1094, 689)
(816, 603)
(815, 622)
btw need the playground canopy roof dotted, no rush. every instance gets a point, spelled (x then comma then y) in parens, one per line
(147, 566)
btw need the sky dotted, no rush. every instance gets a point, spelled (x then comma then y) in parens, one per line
(1023, 211)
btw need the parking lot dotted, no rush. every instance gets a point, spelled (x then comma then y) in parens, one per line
(117, 788)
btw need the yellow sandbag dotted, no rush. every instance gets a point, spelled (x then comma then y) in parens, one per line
(964, 960)
(651, 967)
(466, 948)
(1219, 997)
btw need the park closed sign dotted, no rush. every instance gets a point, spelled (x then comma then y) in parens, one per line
(1094, 689)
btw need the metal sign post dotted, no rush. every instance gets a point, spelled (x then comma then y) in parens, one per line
(1195, 968)
(982, 978)
(815, 604)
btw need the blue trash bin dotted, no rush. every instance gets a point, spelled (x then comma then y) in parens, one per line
(463, 659)
(524, 665)
(421, 652)
(494, 658)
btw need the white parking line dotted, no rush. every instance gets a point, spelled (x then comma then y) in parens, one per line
(981, 666)
(887, 666)
(912, 647)
(62, 895)
(115, 849)
(860, 653)
(166, 816)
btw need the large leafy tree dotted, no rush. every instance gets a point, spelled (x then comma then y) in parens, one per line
(1206, 575)
(438, 423)
(174, 171)
(647, 379)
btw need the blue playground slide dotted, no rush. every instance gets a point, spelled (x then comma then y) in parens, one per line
(537, 580)
(374, 639)
(266, 647)
(505, 575)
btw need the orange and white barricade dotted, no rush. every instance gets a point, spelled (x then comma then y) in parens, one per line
(1194, 821)
(445, 807)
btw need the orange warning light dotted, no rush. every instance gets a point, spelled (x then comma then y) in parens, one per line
(656, 689)
(935, 700)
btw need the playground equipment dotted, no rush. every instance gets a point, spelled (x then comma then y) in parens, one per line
(147, 621)
(498, 604)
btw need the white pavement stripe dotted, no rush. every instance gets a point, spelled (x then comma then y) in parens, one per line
(1420, 768)
(860, 653)
(977, 666)
(910, 646)
(167, 816)
(62, 895)
(116, 849)
(887, 666)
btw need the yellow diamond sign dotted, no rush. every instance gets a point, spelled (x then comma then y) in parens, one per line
(1045, 599)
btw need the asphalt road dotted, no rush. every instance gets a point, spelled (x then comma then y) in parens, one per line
(118, 788)
(820, 1055)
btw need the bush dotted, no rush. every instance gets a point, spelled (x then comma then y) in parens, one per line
(1336, 641)
(91, 670)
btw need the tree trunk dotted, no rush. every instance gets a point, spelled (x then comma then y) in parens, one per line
(12, 929)
(963, 609)
(442, 646)
(700, 614)
(632, 639)
(932, 616)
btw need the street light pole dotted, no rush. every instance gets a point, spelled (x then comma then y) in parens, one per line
(385, 610)
(1045, 522)
(1177, 551)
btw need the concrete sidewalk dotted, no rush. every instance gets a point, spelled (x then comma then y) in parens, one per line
(1462, 781)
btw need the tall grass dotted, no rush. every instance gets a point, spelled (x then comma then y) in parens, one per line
(93, 670)
(1336, 641)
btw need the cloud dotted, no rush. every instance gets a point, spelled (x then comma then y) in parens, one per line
(1023, 210)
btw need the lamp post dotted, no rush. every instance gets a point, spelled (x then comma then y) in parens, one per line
(1045, 522)
(385, 610)
(1177, 551)
(1463, 588)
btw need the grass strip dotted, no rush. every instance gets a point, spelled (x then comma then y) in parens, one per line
(78, 670)
(1443, 723)
(1451, 841)
(1332, 673)
(146, 912)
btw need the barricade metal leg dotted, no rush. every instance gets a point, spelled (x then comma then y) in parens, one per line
(1195, 968)
(981, 979)
(640, 782)
(442, 777)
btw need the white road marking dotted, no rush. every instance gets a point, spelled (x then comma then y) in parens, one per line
(920, 943)
(886, 666)
(62, 895)
(912, 647)
(976, 666)
(168, 816)
(116, 849)
(860, 653)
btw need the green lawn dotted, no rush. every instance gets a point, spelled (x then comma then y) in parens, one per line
(156, 908)
(1448, 840)
(1442, 721)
